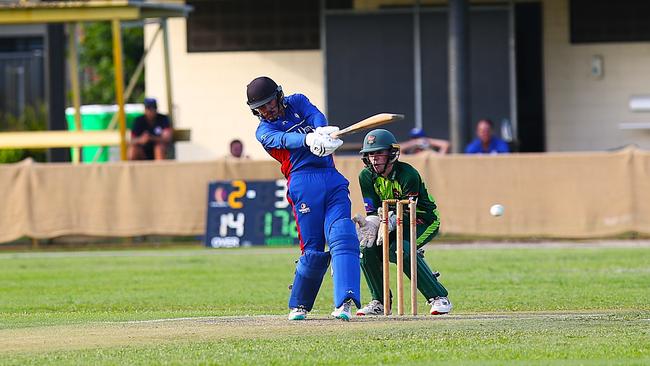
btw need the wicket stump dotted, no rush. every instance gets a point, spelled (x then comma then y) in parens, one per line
(399, 251)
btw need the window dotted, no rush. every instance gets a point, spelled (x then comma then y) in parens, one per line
(339, 4)
(253, 25)
(609, 21)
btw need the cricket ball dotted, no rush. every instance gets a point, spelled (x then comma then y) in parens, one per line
(496, 210)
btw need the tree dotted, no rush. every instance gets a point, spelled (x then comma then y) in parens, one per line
(34, 118)
(96, 62)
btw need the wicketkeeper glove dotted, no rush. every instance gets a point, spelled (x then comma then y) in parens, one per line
(392, 224)
(367, 229)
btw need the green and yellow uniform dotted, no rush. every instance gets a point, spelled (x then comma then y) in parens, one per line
(402, 182)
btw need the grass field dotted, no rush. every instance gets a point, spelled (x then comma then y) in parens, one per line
(526, 305)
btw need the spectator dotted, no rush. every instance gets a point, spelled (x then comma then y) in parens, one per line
(151, 134)
(486, 142)
(420, 142)
(237, 150)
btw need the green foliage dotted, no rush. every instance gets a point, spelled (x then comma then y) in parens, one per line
(10, 155)
(557, 306)
(34, 118)
(96, 62)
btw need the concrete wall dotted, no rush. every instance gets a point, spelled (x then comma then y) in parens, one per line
(7, 31)
(583, 112)
(209, 90)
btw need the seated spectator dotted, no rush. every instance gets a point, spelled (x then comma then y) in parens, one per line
(237, 150)
(420, 142)
(486, 142)
(151, 134)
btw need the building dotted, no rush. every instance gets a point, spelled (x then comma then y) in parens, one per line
(577, 65)
(21, 67)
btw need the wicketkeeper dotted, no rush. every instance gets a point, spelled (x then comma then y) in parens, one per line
(384, 177)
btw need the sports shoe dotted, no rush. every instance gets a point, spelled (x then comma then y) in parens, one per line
(374, 307)
(343, 311)
(298, 313)
(440, 305)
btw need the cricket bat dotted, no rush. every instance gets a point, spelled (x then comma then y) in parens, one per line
(368, 123)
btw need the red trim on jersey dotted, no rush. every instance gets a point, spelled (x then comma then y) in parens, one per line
(282, 155)
(295, 217)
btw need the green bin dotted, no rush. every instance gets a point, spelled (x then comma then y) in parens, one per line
(98, 117)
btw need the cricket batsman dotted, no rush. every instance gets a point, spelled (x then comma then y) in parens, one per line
(296, 134)
(384, 177)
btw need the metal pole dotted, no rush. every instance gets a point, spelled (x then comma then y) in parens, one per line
(168, 74)
(74, 83)
(323, 48)
(119, 85)
(512, 55)
(459, 98)
(55, 87)
(417, 65)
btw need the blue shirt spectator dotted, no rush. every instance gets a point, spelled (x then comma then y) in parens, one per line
(486, 142)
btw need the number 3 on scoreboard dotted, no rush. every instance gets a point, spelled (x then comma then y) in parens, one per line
(239, 193)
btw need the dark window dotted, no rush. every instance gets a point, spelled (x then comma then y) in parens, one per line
(609, 21)
(253, 25)
(24, 44)
(338, 4)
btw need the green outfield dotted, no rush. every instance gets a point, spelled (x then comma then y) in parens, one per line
(527, 305)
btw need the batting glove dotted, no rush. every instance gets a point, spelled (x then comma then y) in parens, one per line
(322, 145)
(331, 145)
(316, 143)
(326, 130)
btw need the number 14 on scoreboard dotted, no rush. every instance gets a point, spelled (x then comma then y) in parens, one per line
(232, 221)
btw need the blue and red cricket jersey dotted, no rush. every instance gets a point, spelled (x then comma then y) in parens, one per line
(284, 139)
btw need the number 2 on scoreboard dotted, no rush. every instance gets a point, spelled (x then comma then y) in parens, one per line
(239, 193)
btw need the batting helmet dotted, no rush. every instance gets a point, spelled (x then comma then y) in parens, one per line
(261, 91)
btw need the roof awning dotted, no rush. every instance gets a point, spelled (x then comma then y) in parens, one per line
(82, 11)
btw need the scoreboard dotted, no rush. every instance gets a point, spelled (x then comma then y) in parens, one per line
(245, 213)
